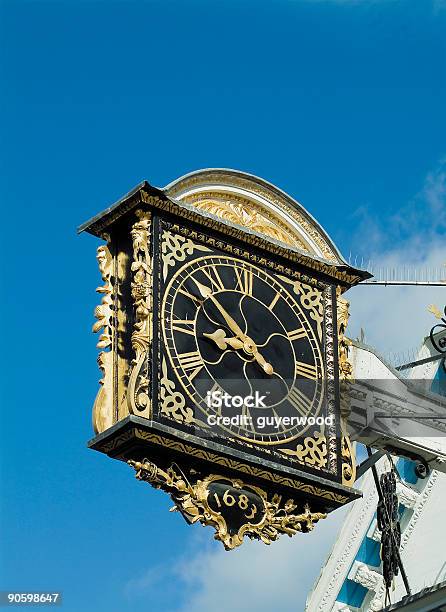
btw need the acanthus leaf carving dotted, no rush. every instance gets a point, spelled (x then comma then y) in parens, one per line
(138, 397)
(192, 497)
(244, 213)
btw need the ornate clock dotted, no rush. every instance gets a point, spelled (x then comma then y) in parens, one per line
(225, 365)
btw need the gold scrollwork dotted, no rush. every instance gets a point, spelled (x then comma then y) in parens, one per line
(175, 248)
(282, 520)
(280, 202)
(311, 300)
(173, 404)
(243, 212)
(192, 500)
(345, 382)
(141, 267)
(348, 461)
(103, 408)
(312, 452)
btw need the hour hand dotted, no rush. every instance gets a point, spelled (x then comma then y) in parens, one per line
(267, 367)
(206, 292)
(219, 337)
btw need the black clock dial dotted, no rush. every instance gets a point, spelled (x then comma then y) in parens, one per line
(231, 326)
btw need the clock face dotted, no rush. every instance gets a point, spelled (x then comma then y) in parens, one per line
(231, 330)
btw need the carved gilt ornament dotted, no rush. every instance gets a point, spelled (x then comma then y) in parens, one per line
(104, 314)
(138, 398)
(263, 519)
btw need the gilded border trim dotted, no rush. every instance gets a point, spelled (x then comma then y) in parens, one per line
(226, 462)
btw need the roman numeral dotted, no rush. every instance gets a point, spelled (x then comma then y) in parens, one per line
(299, 401)
(274, 300)
(194, 298)
(212, 274)
(296, 334)
(244, 280)
(281, 426)
(249, 425)
(306, 370)
(191, 363)
(215, 387)
(185, 326)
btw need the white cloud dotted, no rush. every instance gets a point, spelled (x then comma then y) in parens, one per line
(252, 578)
(396, 319)
(258, 577)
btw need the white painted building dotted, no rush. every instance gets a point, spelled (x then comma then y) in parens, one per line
(351, 579)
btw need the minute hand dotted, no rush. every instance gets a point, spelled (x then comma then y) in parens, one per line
(206, 292)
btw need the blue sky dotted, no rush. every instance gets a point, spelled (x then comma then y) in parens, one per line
(341, 104)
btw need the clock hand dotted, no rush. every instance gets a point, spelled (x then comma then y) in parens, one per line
(247, 343)
(206, 292)
(267, 367)
(219, 337)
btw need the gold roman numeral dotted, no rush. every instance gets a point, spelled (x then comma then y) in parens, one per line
(244, 280)
(249, 425)
(299, 401)
(280, 425)
(185, 326)
(215, 387)
(274, 300)
(194, 298)
(296, 334)
(212, 274)
(191, 363)
(306, 370)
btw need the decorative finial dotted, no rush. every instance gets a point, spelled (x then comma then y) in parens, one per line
(435, 311)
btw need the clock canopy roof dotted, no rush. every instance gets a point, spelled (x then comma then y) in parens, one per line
(239, 200)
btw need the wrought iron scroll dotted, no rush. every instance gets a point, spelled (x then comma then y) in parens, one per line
(388, 524)
(138, 397)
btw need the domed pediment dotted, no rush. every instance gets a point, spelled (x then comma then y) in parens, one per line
(254, 203)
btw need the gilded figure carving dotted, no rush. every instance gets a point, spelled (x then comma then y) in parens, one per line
(103, 405)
